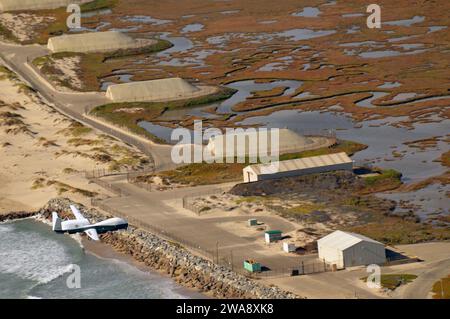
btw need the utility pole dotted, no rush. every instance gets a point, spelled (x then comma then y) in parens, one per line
(217, 252)
(231, 258)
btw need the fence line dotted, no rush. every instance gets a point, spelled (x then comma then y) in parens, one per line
(188, 204)
(131, 173)
(219, 256)
(111, 187)
(156, 230)
(304, 268)
(132, 178)
(145, 186)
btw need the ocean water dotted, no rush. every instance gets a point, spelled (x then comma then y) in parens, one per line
(36, 263)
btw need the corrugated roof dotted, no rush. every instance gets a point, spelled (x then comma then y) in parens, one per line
(342, 240)
(274, 232)
(302, 163)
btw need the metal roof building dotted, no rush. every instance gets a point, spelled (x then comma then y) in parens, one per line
(298, 167)
(345, 249)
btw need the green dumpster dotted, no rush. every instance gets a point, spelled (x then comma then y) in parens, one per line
(252, 266)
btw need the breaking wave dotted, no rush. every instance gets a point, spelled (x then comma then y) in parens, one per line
(34, 260)
(30, 255)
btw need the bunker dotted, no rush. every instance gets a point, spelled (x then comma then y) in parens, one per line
(254, 142)
(21, 5)
(95, 42)
(154, 90)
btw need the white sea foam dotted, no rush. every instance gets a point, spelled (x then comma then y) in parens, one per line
(5, 228)
(32, 256)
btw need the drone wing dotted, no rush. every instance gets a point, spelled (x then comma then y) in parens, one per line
(92, 233)
(77, 213)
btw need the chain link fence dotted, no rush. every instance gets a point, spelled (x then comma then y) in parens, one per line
(204, 252)
(304, 268)
(189, 201)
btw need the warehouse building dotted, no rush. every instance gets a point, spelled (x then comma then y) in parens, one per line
(93, 42)
(298, 167)
(256, 141)
(345, 249)
(19, 5)
(154, 90)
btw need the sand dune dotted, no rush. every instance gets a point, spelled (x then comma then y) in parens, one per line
(43, 154)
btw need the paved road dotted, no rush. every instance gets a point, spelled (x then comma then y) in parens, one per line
(74, 105)
(427, 274)
(347, 283)
(153, 207)
(164, 211)
(343, 284)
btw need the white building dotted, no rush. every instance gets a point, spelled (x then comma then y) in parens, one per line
(17, 5)
(93, 42)
(289, 247)
(345, 249)
(256, 142)
(153, 90)
(298, 167)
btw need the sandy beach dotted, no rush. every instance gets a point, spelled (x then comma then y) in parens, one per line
(44, 154)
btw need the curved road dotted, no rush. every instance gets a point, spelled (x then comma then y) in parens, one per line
(18, 58)
(420, 287)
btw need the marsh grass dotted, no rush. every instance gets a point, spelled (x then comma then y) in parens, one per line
(397, 231)
(441, 288)
(387, 180)
(93, 66)
(393, 281)
(151, 110)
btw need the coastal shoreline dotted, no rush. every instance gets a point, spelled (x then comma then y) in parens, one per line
(149, 252)
(106, 251)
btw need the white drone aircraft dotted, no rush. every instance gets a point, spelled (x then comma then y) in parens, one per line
(81, 224)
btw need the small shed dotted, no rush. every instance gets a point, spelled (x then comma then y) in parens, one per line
(252, 222)
(252, 266)
(289, 247)
(345, 249)
(272, 236)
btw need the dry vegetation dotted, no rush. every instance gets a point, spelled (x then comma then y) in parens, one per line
(394, 281)
(89, 68)
(325, 202)
(239, 41)
(128, 115)
(441, 288)
(44, 154)
(216, 173)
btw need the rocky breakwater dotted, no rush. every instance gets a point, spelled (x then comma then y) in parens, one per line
(172, 259)
(16, 215)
